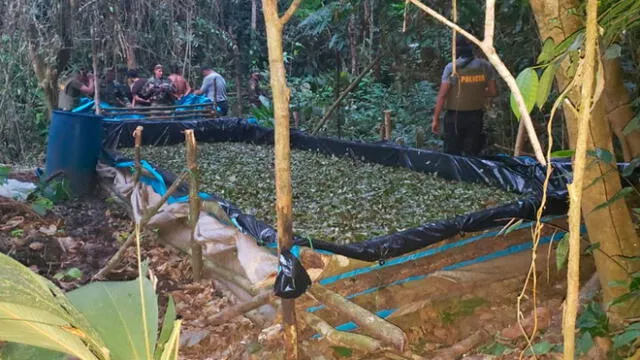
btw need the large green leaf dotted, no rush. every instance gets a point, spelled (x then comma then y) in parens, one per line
(113, 308)
(167, 328)
(34, 312)
(15, 351)
(173, 344)
(527, 82)
(546, 82)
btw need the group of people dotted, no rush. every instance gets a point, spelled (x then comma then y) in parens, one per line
(126, 88)
(463, 93)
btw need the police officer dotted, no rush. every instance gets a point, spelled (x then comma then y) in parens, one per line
(464, 95)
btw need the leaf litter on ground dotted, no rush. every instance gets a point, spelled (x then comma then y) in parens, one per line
(336, 199)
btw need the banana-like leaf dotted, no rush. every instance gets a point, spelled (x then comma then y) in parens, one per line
(15, 351)
(113, 308)
(167, 328)
(173, 344)
(34, 312)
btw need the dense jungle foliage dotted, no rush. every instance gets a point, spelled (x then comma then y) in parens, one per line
(328, 43)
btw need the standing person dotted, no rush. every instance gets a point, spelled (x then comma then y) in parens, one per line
(215, 88)
(255, 91)
(111, 91)
(136, 83)
(179, 82)
(73, 88)
(464, 95)
(158, 90)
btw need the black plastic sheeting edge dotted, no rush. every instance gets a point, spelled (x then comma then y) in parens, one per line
(511, 174)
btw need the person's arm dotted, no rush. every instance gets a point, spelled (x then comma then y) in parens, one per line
(204, 88)
(188, 89)
(442, 96)
(88, 89)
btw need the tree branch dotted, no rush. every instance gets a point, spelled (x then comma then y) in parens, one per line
(489, 23)
(289, 13)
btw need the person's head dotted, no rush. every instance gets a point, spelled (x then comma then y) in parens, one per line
(206, 70)
(158, 71)
(256, 76)
(83, 75)
(110, 75)
(464, 47)
(175, 69)
(133, 74)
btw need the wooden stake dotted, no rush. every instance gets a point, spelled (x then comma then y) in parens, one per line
(387, 125)
(420, 136)
(385, 331)
(296, 119)
(274, 25)
(137, 136)
(382, 131)
(519, 148)
(94, 61)
(194, 203)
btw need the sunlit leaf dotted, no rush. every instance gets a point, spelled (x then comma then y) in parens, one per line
(562, 251)
(547, 51)
(563, 153)
(527, 82)
(546, 83)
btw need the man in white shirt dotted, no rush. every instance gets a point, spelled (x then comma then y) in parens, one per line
(215, 88)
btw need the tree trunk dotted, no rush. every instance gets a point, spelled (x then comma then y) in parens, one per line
(254, 15)
(281, 93)
(351, 28)
(611, 227)
(619, 112)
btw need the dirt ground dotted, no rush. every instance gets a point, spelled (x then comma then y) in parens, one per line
(85, 234)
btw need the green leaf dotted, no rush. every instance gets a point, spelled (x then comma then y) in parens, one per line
(123, 330)
(625, 338)
(527, 82)
(74, 273)
(624, 298)
(495, 348)
(614, 51)
(591, 248)
(584, 343)
(617, 196)
(167, 327)
(602, 154)
(34, 312)
(540, 348)
(14, 351)
(4, 174)
(342, 351)
(593, 320)
(563, 153)
(547, 51)
(173, 344)
(633, 165)
(562, 251)
(546, 83)
(632, 126)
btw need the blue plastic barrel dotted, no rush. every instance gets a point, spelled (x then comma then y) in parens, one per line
(74, 147)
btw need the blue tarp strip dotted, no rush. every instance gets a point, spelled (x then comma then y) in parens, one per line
(498, 254)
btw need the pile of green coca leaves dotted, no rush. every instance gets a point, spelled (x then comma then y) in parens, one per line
(334, 199)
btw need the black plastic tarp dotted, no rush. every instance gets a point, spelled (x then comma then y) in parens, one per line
(512, 174)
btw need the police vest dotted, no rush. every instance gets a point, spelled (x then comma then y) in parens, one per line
(467, 90)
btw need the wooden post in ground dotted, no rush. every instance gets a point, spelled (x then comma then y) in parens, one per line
(137, 136)
(387, 125)
(382, 131)
(194, 203)
(420, 136)
(274, 23)
(296, 119)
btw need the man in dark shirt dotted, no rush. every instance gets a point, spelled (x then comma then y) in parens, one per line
(112, 92)
(463, 94)
(137, 83)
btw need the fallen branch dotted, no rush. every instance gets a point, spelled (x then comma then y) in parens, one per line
(346, 92)
(462, 347)
(341, 338)
(380, 328)
(240, 309)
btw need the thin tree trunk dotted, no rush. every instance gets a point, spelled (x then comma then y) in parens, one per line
(274, 25)
(254, 15)
(351, 28)
(612, 227)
